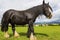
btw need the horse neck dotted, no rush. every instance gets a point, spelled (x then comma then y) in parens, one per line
(39, 11)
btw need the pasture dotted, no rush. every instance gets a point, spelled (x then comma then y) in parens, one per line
(42, 33)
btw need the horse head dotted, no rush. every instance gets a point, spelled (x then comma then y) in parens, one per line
(47, 10)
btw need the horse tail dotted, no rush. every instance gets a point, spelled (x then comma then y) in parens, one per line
(6, 19)
(4, 22)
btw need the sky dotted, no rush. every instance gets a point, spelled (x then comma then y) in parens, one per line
(26, 4)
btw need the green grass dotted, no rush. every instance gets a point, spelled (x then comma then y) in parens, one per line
(42, 33)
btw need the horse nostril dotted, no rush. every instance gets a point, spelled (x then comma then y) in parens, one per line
(50, 16)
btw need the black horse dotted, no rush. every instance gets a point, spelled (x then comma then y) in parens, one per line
(24, 17)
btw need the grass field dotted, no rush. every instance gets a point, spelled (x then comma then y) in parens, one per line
(42, 33)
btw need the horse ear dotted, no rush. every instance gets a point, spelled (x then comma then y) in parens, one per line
(43, 1)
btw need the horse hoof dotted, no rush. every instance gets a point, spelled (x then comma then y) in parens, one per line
(16, 36)
(6, 36)
(33, 38)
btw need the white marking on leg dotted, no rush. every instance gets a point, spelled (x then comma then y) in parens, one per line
(6, 35)
(16, 34)
(32, 37)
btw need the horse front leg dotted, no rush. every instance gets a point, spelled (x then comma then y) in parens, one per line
(31, 31)
(14, 32)
(28, 32)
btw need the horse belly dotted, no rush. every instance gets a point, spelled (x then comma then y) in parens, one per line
(20, 21)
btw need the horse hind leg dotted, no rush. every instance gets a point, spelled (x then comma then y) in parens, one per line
(14, 32)
(4, 28)
(6, 35)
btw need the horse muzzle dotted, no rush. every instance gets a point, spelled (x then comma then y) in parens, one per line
(49, 17)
